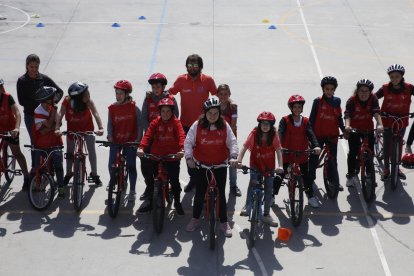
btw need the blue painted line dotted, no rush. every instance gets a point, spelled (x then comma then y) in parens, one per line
(157, 38)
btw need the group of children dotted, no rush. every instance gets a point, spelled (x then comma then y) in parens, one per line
(212, 138)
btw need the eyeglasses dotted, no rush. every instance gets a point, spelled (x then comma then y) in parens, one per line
(192, 65)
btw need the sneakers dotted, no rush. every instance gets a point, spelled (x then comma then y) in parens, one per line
(189, 187)
(96, 179)
(131, 196)
(178, 208)
(66, 179)
(225, 228)
(402, 175)
(268, 219)
(145, 207)
(340, 188)
(61, 192)
(235, 191)
(193, 225)
(385, 174)
(243, 211)
(146, 194)
(313, 201)
(350, 183)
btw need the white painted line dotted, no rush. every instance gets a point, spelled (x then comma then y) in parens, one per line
(371, 225)
(24, 22)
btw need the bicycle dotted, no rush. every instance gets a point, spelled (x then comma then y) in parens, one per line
(7, 160)
(162, 190)
(397, 143)
(42, 188)
(330, 169)
(118, 175)
(295, 185)
(79, 166)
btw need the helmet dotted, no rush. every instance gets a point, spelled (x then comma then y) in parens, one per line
(407, 161)
(77, 88)
(157, 78)
(210, 103)
(329, 80)
(266, 116)
(44, 93)
(124, 85)
(365, 82)
(396, 68)
(295, 99)
(1, 81)
(166, 102)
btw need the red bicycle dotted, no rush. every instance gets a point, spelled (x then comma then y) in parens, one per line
(7, 160)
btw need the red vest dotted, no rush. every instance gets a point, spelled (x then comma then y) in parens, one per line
(7, 118)
(47, 140)
(326, 120)
(124, 122)
(396, 104)
(362, 115)
(262, 157)
(295, 138)
(153, 110)
(165, 139)
(210, 147)
(77, 121)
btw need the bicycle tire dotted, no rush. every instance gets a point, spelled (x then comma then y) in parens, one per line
(331, 179)
(41, 191)
(378, 149)
(78, 184)
(254, 221)
(114, 193)
(9, 162)
(368, 178)
(158, 207)
(296, 199)
(212, 221)
(395, 165)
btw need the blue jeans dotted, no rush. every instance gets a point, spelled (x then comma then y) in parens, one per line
(56, 158)
(131, 162)
(268, 190)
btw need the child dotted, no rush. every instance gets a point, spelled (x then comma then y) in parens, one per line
(150, 111)
(10, 118)
(229, 112)
(263, 142)
(78, 109)
(295, 133)
(326, 119)
(165, 135)
(43, 132)
(397, 100)
(124, 126)
(360, 108)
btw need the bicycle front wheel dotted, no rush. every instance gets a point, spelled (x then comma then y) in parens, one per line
(9, 162)
(254, 220)
(41, 191)
(78, 183)
(296, 199)
(368, 178)
(158, 207)
(395, 167)
(212, 220)
(379, 151)
(331, 179)
(114, 193)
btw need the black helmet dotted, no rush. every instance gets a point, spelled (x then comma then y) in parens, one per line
(396, 68)
(329, 80)
(365, 82)
(210, 103)
(44, 93)
(77, 88)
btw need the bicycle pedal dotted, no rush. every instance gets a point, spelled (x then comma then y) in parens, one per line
(18, 172)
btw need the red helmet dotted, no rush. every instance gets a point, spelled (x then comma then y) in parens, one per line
(407, 161)
(157, 78)
(166, 102)
(266, 116)
(295, 99)
(124, 85)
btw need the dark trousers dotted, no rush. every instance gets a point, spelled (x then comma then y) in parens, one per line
(354, 144)
(173, 172)
(307, 180)
(313, 158)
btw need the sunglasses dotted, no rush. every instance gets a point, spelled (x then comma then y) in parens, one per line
(192, 65)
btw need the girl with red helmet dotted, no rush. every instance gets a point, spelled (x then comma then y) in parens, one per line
(263, 143)
(78, 109)
(360, 109)
(229, 112)
(210, 141)
(397, 100)
(165, 135)
(150, 111)
(124, 125)
(295, 133)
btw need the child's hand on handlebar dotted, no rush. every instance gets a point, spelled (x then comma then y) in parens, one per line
(140, 152)
(190, 163)
(233, 163)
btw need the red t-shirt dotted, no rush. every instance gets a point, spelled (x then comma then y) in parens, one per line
(77, 121)
(45, 140)
(7, 118)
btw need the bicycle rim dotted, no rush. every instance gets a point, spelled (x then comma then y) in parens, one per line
(331, 179)
(9, 162)
(379, 152)
(395, 166)
(41, 191)
(158, 207)
(296, 200)
(114, 195)
(253, 221)
(78, 184)
(212, 222)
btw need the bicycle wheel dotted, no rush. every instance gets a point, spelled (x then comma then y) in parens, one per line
(158, 207)
(212, 220)
(296, 199)
(114, 193)
(9, 162)
(254, 220)
(368, 178)
(331, 179)
(41, 191)
(379, 152)
(395, 164)
(77, 186)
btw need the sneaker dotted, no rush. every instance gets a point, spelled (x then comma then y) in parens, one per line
(385, 174)
(178, 208)
(225, 228)
(235, 191)
(350, 183)
(313, 201)
(66, 179)
(243, 211)
(131, 196)
(268, 219)
(189, 187)
(340, 188)
(408, 149)
(61, 192)
(146, 194)
(96, 179)
(145, 207)
(193, 225)
(402, 175)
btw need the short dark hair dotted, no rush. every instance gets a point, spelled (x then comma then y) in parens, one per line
(32, 58)
(196, 58)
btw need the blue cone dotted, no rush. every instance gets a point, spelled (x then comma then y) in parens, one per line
(142, 17)
(272, 27)
(116, 25)
(40, 25)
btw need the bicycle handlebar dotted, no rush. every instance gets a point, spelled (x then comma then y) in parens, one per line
(365, 132)
(5, 134)
(107, 143)
(212, 167)
(161, 157)
(78, 133)
(388, 115)
(298, 152)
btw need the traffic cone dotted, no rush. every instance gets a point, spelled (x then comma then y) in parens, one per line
(284, 234)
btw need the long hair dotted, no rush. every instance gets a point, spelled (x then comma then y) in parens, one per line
(204, 123)
(270, 135)
(77, 103)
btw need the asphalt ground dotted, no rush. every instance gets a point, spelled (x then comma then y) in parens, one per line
(350, 40)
